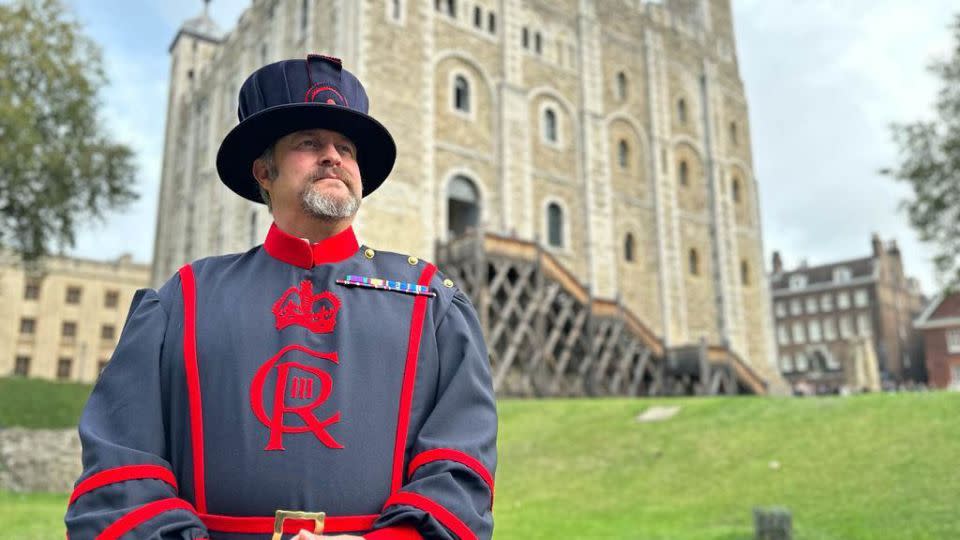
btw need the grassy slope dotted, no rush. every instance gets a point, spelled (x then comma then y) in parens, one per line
(879, 466)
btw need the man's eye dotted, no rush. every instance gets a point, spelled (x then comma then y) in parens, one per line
(308, 144)
(344, 149)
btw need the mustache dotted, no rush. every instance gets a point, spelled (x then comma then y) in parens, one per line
(326, 172)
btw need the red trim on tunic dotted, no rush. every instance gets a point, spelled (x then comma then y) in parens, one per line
(298, 252)
(122, 474)
(134, 518)
(264, 525)
(192, 371)
(435, 509)
(409, 379)
(401, 532)
(449, 454)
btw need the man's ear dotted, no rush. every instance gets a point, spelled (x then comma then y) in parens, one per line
(261, 173)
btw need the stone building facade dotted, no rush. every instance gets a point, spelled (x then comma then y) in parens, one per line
(62, 319)
(822, 312)
(614, 132)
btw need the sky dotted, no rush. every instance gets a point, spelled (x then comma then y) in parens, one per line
(824, 81)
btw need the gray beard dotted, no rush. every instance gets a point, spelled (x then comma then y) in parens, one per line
(322, 206)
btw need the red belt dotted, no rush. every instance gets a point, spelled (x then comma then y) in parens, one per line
(264, 525)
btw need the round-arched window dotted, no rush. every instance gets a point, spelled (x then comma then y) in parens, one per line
(623, 154)
(463, 205)
(621, 86)
(550, 125)
(461, 94)
(555, 225)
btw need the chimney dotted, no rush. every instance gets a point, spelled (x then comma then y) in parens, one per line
(877, 245)
(893, 249)
(777, 263)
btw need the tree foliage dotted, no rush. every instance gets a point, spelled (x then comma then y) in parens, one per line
(930, 164)
(58, 167)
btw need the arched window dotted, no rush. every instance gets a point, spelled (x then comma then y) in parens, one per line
(538, 43)
(623, 154)
(684, 172)
(525, 38)
(744, 273)
(492, 22)
(477, 16)
(735, 189)
(693, 262)
(682, 110)
(461, 94)
(621, 86)
(397, 12)
(628, 248)
(733, 133)
(818, 360)
(555, 225)
(550, 125)
(463, 205)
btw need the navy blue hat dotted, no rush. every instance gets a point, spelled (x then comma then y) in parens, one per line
(293, 95)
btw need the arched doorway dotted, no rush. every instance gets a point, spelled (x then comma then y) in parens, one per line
(463, 206)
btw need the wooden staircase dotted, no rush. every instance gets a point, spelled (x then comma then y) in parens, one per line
(547, 336)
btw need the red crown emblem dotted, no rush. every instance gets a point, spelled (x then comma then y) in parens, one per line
(298, 306)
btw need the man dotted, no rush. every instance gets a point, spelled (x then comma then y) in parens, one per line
(309, 386)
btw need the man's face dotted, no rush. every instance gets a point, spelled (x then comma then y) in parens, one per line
(317, 175)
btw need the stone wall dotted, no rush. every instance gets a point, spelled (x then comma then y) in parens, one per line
(39, 459)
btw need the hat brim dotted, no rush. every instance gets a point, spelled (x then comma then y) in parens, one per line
(376, 150)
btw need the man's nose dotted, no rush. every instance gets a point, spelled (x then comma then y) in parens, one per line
(329, 156)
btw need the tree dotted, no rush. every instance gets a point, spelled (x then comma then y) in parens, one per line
(930, 164)
(58, 167)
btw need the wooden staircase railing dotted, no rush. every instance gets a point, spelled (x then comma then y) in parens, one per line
(547, 336)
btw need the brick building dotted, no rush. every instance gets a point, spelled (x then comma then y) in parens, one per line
(822, 311)
(62, 319)
(940, 326)
(613, 133)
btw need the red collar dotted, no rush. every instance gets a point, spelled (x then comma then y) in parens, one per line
(299, 252)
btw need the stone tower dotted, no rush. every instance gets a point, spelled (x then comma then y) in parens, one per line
(612, 132)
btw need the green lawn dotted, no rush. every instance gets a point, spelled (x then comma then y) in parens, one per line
(38, 516)
(876, 466)
(867, 467)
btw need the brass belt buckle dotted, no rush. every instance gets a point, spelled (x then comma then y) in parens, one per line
(283, 515)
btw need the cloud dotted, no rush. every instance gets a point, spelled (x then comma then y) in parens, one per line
(824, 81)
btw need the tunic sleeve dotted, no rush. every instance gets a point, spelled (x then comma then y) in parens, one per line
(127, 485)
(449, 489)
